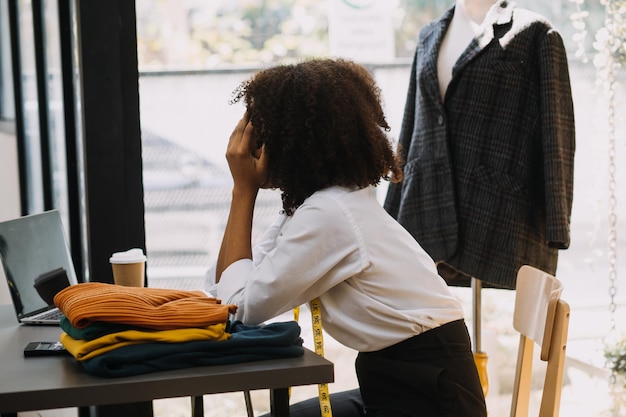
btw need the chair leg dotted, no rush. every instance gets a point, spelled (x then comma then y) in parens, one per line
(523, 373)
(249, 410)
(551, 399)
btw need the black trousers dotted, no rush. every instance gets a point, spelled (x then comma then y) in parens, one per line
(432, 374)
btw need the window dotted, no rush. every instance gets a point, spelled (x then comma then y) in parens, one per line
(191, 57)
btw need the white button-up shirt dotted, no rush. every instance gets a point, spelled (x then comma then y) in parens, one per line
(376, 285)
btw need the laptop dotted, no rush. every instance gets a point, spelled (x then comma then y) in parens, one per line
(37, 264)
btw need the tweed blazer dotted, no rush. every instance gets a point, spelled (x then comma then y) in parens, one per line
(488, 179)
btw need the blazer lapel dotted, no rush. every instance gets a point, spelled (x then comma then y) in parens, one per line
(429, 45)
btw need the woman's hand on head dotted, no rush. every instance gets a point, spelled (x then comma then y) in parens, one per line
(248, 165)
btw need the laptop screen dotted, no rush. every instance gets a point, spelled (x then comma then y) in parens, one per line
(33, 248)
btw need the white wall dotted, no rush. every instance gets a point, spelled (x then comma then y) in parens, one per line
(9, 191)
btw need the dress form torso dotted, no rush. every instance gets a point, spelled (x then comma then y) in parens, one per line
(474, 156)
(465, 25)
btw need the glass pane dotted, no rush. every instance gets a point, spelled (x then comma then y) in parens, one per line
(56, 126)
(30, 108)
(191, 56)
(187, 185)
(186, 120)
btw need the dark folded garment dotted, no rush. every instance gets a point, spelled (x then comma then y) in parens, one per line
(95, 330)
(247, 343)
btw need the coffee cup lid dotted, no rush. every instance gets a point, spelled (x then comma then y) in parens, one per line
(128, 257)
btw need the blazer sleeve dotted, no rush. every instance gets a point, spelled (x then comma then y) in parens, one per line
(558, 138)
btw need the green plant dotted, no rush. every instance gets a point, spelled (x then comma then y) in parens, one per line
(615, 355)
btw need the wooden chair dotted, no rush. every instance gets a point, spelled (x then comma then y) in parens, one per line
(540, 316)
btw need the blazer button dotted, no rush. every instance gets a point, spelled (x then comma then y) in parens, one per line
(440, 120)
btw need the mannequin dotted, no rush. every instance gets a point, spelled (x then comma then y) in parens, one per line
(464, 26)
(488, 139)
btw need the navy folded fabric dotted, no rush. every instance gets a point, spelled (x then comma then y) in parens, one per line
(247, 343)
(95, 330)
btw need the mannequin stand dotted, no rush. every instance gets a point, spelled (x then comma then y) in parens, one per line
(480, 357)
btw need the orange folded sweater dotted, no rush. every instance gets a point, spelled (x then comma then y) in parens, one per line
(153, 308)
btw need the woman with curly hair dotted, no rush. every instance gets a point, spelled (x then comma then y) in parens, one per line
(316, 131)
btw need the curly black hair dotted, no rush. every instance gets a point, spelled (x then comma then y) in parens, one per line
(322, 124)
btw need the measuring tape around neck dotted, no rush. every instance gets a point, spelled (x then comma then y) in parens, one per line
(318, 341)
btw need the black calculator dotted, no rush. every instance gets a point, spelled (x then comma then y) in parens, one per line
(44, 349)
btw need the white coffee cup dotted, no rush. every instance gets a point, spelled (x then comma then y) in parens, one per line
(129, 267)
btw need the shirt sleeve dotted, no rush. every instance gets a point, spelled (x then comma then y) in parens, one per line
(268, 240)
(315, 249)
(265, 245)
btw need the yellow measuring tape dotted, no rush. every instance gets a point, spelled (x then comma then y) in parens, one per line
(318, 340)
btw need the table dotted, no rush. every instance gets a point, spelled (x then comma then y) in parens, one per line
(39, 383)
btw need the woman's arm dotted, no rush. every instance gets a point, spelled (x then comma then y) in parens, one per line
(248, 172)
(316, 249)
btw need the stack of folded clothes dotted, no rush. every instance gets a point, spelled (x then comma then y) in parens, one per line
(114, 330)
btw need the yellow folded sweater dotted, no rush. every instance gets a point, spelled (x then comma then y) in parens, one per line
(153, 308)
(87, 349)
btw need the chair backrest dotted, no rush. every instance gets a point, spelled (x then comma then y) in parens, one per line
(541, 317)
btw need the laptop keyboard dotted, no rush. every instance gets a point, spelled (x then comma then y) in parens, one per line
(51, 315)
